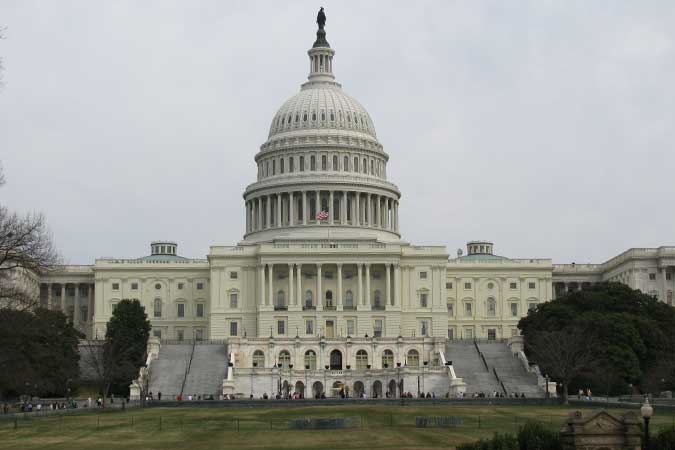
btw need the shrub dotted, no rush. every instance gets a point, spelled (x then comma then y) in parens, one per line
(664, 440)
(498, 442)
(533, 436)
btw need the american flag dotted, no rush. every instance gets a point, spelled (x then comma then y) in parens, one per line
(322, 215)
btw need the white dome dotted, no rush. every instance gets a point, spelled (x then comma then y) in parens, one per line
(322, 106)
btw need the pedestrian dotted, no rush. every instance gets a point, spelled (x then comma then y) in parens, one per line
(159, 396)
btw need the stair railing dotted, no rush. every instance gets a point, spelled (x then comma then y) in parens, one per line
(188, 365)
(501, 383)
(482, 357)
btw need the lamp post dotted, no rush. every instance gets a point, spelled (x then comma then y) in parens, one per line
(647, 412)
(546, 378)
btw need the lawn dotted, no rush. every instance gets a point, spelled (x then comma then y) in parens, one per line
(374, 427)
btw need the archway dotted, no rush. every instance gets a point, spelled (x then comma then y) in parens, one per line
(336, 360)
(391, 389)
(317, 389)
(359, 389)
(300, 389)
(377, 389)
(338, 389)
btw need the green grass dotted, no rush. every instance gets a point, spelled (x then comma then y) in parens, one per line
(376, 427)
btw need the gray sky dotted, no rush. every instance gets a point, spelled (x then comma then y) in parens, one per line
(546, 126)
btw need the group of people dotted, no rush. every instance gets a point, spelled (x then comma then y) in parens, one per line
(585, 393)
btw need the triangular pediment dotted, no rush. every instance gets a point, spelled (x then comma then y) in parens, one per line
(601, 423)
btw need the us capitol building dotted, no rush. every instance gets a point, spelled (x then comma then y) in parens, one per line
(319, 301)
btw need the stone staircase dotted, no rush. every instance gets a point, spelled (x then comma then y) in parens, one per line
(167, 372)
(469, 366)
(207, 371)
(510, 370)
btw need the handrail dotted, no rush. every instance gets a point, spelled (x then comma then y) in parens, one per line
(482, 357)
(188, 365)
(501, 383)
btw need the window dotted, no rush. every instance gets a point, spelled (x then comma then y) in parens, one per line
(350, 327)
(423, 300)
(514, 309)
(531, 306)
(361, 360)
(451, 309)
(312, 162)
(134, 286)
(491, 307)
(345, 163)
(364, 166)
(668, 276)
(377, 301)
(281, 327)
(329, 299)
(200, 310)
(652, 276)
(468, 310)
(84, 312)
(328, 275)
(448, 285)
(284, 359)
(376, 275)
(513, 285)
(377, 328)
(310, 360)
(387, 359)
(281, 165)
(233, 300)
(413, 358)
(309, 326)
(158, 286)
(669, 298)
(157, 333)
(200, 286)
(468, 333)
(424, 328)
(258, 359)
(114, 306)
(180, 335)
(291, 165)
(308, 299)
(492, 334)
(157, 308)
(115, 286)
(233, 328)
(281, 300)
(335, 162)
(181, 310)
(490, 285)
(423, 275)
(356, 164)
(349, 300)
(233, 275)
(323, 162)
(451, 333)
(467, 286)
(199, 334)
(531, 285)
(302, 164)
(180, 286)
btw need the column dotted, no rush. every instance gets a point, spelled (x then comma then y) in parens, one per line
(298, 294)
(319, 294)
(383, 212)
(397, 285)
(268, 211)
(290, 284)
(662, 294)
(396, 216)
(304, 207)
(261, 277)
(270, 284)
(90, 309)
(368, 285)
(260, 214)
(339, 286)
(357, 212)
(247, 212)
(291, 209)
(278, 210)
(317, 205)
(49, 295)
(360, 293)
(331, 212)
(76, 304)
(63, 297)
(387, 269)
(370, 212)
(343, 214)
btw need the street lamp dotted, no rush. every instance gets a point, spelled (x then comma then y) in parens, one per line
(546, 378)
(647, 412)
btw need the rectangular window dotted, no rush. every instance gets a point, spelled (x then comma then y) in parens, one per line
(451, 309)
(424, 328)
(531, 285)
(669, 276)
(134, 286)
(200, 310)
(451, 333)
(115, 286)
(468, 333)
(423, 275)
(200, 286)
(309, 326)
(467, 286)
(652, 277)
(233, 300)
(157, 333)
(180, 335)
(448, 285)
(180, 286)
(84, 313)
(328, 275)
(492, 334)
(468, 310)
(514, 309)
(233, 328)
(376, 275)
(531, 306)
(181, 310)
(377, 328)
(513, 285)
(350, 327)
(423, 300)
(233, 275)
(199, 334)
(281, 327)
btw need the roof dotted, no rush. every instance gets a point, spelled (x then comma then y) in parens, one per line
(162, 258)
(482, 257)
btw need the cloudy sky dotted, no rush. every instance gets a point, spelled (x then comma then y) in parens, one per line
(546, 126)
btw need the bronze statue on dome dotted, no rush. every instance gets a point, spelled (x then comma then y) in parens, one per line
(321, 19)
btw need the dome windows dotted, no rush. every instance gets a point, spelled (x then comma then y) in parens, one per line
(304, 117)
(332, 116)
(314, 117)
(335, 163)
(297, 117)
(302, 164)
(323, 116)
(345, 164)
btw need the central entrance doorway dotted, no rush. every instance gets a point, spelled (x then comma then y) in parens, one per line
(336, 360)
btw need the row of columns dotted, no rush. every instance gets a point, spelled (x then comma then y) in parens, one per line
(293, 208)
(76, 299)
(295, 294)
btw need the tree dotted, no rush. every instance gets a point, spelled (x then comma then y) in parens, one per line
(38, 353)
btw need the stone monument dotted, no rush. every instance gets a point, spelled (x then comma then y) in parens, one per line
(600, 431)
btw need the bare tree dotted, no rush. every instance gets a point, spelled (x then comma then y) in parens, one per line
(563, 354)
(26, 251)
(104, 361)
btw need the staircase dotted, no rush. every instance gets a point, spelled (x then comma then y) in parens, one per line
(469, 366)
(510, 370)
(207, 371)
(167, 372)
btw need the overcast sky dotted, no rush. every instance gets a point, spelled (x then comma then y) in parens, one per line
(547, 127)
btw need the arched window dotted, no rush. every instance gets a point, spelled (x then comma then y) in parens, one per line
(281, 299)
(349, 299)
(365, 166)
(323, 162)
(258, 359)
(377, 299)
(335, 162)
(314, 116)
(310, 359)
(157, 307)
(491, 307)
(274, 167)
(281, 165)
(302, 164)
(356, 164)
(329, 298)
(312, 162)
(413, 359)
(297, 117)
(332, 116)
(323, 115)
(387, 359)
(372, 171)
(361, 360)
(309, 300)
(284, 359)
(291, 166)
(345, 163)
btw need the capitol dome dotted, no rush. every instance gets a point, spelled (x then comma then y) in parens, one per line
(321, 170)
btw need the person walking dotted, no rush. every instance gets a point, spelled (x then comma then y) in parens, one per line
(159, 396)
